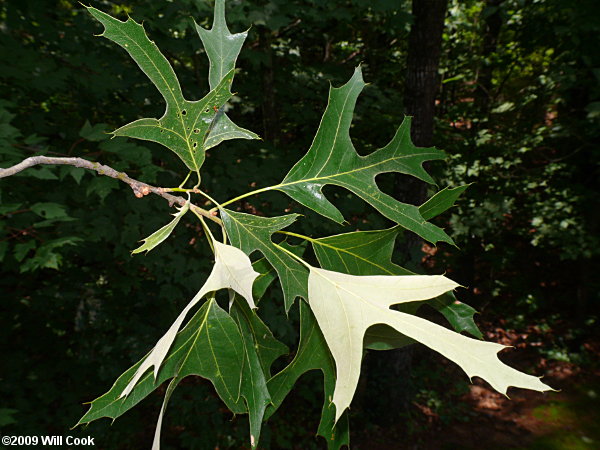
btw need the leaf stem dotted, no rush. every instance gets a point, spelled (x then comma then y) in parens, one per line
(293, 255)
(209, 236)
(301, 236)
(248, 194)
(194, 190)
(185, 181)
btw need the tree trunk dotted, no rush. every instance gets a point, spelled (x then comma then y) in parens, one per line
(422, 81)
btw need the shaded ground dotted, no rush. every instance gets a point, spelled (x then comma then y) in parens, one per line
(485, 419)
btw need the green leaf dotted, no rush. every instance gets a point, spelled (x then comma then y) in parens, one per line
(222, 49)
(41, 173)
(384, 337)
(94, 133)
(267, 347)
(21, 249)
(250, 233)
(441, 201)
(50, 210)
(332, 159)
(261, 349)
(364, 301)
(160, 235)
(102, 186)
(209, 346)
(360, 252)
(170, 388)
(46, 256)
(312, 354)
(232, 270)
(8, 208)
(185, 124)
(266, 275)
(370, 253)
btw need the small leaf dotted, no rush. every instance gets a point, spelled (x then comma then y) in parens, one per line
(50, 210)
(441, 201)
(22, 249)
(345, 306)
(232, 270)
(160, 235)
(332, 159)
(250, 233)
(94, 133)
(102, 186)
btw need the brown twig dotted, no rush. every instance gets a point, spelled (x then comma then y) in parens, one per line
(139, 188)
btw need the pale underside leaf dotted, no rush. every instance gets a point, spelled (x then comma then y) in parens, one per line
(346, 306)
(332, 159)
(210, 346)
(163, 233)
(222, 48)
(370, 253)
(170, 388)
(232, 270)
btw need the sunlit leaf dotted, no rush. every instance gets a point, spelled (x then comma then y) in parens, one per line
(370, 253)
(332, 159)
(184, 126)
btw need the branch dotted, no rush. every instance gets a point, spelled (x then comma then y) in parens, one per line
(139, 188)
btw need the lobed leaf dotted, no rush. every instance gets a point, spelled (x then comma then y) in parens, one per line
(332, 159)
(232, 270)
(312, 354)
(222, 49)
(185, 125)
(370, 253)
(345, 306)
(250, 233)
(209, 346)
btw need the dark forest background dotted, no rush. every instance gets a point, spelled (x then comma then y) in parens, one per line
(510, 89)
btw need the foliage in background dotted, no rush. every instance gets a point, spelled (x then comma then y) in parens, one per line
(92, 315)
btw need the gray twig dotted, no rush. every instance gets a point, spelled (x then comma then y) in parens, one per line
(139, 188)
